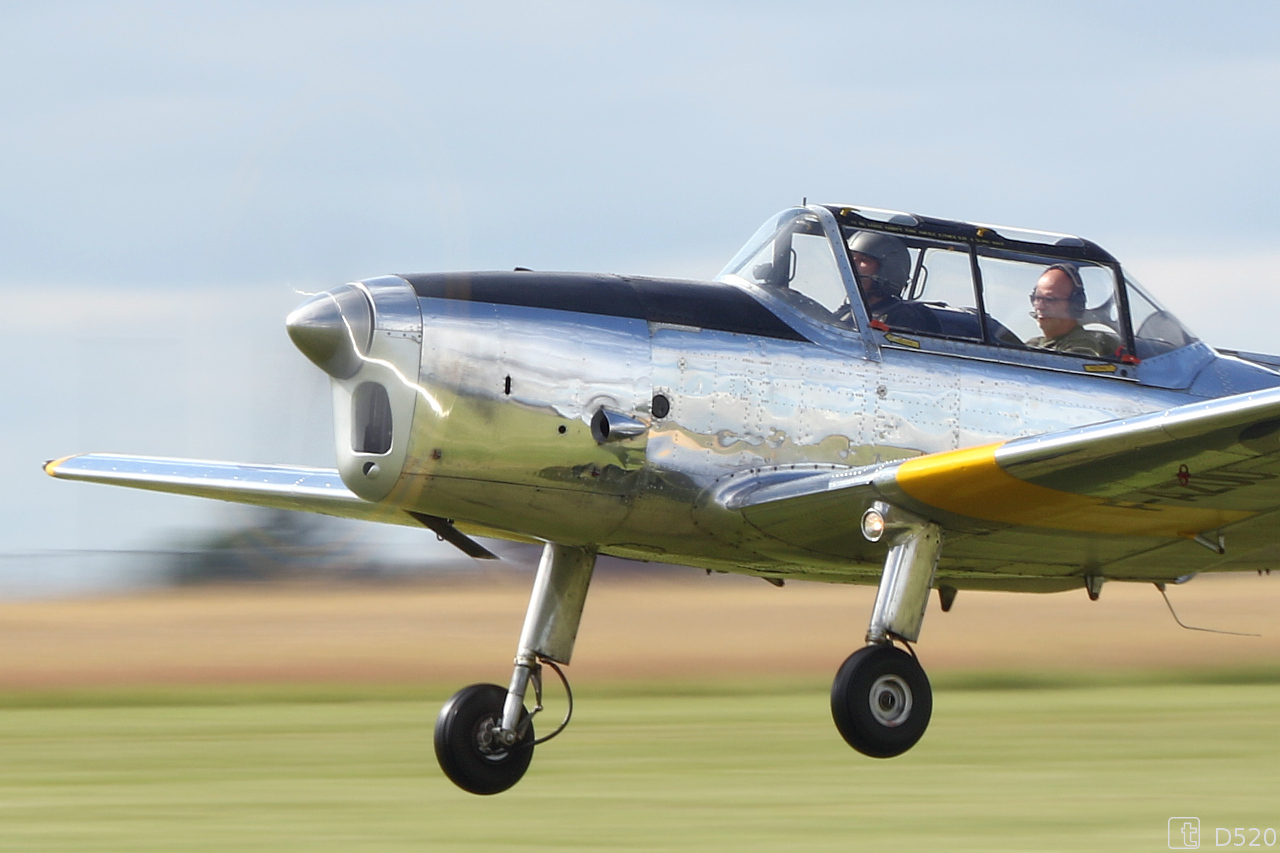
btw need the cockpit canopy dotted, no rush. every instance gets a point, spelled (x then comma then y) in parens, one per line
(957, 281)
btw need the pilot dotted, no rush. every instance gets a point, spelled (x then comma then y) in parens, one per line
(882, 266)
(1057, 304)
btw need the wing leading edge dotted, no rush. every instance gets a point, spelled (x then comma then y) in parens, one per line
(318, 490)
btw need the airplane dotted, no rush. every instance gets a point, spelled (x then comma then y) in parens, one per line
(861, 396)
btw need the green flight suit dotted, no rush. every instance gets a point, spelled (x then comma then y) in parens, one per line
(1080, 341)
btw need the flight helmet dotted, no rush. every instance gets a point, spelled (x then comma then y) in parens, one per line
(895, 260)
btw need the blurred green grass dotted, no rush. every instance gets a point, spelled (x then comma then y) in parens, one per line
(1070, 767)
(251, 693)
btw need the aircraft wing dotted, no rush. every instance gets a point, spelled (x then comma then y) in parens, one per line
(1193, 470)
(318, 490)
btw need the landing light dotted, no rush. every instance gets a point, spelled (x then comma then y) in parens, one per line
(873, 525)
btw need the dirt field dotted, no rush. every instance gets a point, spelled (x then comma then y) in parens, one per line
(691, 627)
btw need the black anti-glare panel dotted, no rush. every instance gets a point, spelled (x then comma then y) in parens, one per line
(706, 305)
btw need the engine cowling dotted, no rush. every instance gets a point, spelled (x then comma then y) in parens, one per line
(368, 337)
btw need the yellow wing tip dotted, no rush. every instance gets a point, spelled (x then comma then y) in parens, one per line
(51, 467)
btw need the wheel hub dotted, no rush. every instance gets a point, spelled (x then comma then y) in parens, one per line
(890, 700)
(488, 741)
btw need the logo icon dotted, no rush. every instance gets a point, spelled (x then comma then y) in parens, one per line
(1184, 833)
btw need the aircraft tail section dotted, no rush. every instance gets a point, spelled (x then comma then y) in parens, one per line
(1271, 362)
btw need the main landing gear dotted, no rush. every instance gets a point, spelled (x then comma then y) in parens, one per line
(484, 735)
(881, 700)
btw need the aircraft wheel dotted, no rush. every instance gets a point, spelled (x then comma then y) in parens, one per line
(468, 750)
(881, 701)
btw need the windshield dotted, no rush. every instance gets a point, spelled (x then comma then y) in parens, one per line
(1155, 330)
(791, 257)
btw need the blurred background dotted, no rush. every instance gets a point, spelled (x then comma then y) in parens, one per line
(176, 176)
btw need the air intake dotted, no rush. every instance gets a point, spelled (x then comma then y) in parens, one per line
(370, 419)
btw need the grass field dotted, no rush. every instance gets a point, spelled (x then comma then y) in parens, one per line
(300, 719)
(1087, 768)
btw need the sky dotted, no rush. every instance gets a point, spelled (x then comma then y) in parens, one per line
(174, 176)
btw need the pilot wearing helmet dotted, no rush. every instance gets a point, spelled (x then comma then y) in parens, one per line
(882, 266)
(1058, 304)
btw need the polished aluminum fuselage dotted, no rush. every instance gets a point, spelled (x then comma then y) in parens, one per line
(492, 409)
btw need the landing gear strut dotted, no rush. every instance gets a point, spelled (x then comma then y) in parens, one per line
(881, 700)
(484, 736)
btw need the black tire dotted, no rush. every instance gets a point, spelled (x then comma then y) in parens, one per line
(881, 701)
(470, 763)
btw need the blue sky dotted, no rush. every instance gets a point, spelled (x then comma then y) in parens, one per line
(173, 174)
